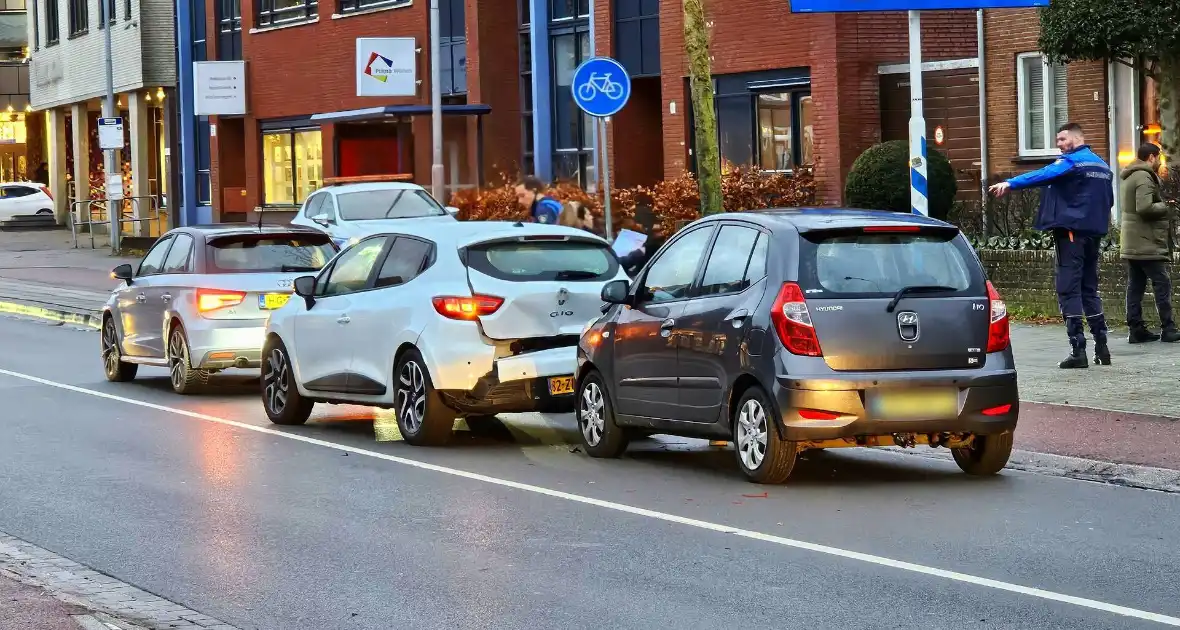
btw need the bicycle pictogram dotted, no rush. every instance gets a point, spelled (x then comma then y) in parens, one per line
(596, 84)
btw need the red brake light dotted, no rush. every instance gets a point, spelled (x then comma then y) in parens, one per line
(213, 299)
(815, 414)
(893, 228)
(792, 322)
(997, 411)
(998, 332)
(466, 308)
(45, 189)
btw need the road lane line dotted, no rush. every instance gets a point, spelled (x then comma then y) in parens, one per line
(638, 511)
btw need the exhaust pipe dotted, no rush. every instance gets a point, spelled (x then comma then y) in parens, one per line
(242, 362)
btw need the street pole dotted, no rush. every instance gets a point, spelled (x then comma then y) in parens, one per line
(436, 168)
(108, 111)
(918, 182)
(604, 163)
(984, 165)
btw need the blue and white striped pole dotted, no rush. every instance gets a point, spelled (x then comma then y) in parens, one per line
(919, 203)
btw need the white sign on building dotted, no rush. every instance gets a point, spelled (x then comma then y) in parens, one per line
(219, 88)
(386, 66)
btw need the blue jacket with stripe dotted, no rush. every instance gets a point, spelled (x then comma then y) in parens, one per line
(1078, 195)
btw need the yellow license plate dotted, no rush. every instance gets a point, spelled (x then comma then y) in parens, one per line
(560, 385)
(914, 404)
(272, 301)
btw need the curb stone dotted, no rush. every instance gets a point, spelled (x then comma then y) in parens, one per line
(51, 314)
(76, 584)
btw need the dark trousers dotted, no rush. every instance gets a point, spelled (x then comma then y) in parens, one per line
(1138, 273)
(1077, 286)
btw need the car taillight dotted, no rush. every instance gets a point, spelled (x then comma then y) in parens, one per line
(45, 189)
(466, 308)
(792, 321)
(213, 299)
(998, 333)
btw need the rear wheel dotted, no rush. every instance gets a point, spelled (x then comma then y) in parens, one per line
(280, 396)
(185, 379)
(112, 358)
(44, 211)
(422, 417)
(601, 437)
(987, 455)
(762, 454)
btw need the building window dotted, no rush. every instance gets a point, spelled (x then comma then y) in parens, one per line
(527, 165)
(292, 165)
(637, 36)
(361, 5)
(107, 12)
(229, 30)
(36, 26)
(1042, 100)
(453, 47)
(765, 119)
(573, 130)
(785, 123)
(52, 23)
(12, 5)
(127, 10)
(272, 12)
(569, 9)
(79, 17)
(204, 158)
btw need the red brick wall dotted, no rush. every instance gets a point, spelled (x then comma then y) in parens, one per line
(493, 77)
(1008, 33)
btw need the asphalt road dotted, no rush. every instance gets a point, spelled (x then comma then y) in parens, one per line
(203, 502)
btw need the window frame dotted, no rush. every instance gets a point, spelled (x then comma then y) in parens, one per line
(1047, 102)
(355, 6)
(229, 29)
(290, 134)
(524, 33)
(52, 23)
(640, 293)
(427, 260)
(577, 28)
(126, 10)
(266, 16)
(78, 18)
(379, 260)
(165, 242)
(190, 260)
(699, 282)
(108, 13)
(34, 16)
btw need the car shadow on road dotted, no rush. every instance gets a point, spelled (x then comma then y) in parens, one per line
(231, 385)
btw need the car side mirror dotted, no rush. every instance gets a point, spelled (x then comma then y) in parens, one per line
(305, 288)
(322, 220)
(616, 292)
(453, 211)
(123, 272)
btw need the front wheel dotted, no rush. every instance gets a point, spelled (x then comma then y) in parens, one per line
(185, 379)
(987, 454)
(601, 437)
(763, 455)
(112, 357)
(280, 396)
(422, 417)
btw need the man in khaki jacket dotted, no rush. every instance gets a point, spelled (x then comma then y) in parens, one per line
(1145, 245)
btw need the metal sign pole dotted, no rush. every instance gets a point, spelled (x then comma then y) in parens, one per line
(604, 164)
(436, 168)
(918, 182)
(108, 111)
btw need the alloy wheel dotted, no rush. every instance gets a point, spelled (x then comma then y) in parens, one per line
(591, 414)
(277, 377)
(177, 359)
(110, 348)
(751, 434)
(411, 396)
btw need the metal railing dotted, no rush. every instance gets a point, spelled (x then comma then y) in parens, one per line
(92, 213)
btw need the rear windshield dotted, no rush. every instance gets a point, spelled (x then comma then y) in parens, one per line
(260, 253)
(388, 203)
(878, 265)
(545, 261)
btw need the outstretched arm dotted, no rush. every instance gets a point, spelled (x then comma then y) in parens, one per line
(1040, 177)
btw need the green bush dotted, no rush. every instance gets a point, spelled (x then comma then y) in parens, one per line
(880, 180)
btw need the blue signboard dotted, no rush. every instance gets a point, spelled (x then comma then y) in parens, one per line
(601, 86)
(847, 6)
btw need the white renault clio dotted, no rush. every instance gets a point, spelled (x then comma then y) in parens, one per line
(438, 322)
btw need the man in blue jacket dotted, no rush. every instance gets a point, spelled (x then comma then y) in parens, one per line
(530, 195)
(1075, 207)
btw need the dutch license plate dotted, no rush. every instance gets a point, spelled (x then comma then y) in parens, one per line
(272, 301)
(561, 385)
(914, 404)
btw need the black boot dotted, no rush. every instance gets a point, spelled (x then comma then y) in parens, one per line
(1101, 351)
(1140, 334)
(1171, 335)
(1077, 359)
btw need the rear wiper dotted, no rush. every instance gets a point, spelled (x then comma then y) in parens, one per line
(918, 288)
(571, 274)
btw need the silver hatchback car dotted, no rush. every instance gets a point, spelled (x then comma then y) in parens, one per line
(199, 300)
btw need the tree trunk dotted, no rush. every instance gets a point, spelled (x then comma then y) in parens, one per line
(708, 160)
(1168, 83)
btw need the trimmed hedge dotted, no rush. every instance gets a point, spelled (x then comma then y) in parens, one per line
(880, 180)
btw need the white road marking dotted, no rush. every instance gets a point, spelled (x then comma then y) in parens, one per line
(638, 511)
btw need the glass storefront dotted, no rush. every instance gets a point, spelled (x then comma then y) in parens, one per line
(292, 165)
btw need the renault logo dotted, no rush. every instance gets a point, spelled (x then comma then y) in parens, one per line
(907, 326)
(562, 296)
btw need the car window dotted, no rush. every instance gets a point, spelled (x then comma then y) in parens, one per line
(155, 257)
(881, 264)
(273, 253)
(671, 274)
(354, 267)
(11, 192)
(328, 210)
(726, 270)
(388, 203)
(180, 256)
(405, 261)
(545, 261)
(757, 267)
(314, 205)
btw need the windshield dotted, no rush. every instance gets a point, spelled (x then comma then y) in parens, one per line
(388, 203)
(262, 253)
(545, 261)
(880, 264)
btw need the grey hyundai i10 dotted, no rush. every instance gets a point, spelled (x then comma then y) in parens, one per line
(788, 330)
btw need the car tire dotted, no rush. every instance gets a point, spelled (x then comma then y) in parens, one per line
(601, 437)
(44, 211)
(185, 379)
(422, 417)
(763, 455)
(987, 455)
(117, 370)
(280, 395)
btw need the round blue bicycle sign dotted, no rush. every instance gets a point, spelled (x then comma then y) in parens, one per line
(601, 86)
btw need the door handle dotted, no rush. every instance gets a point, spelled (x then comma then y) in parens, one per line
(167, 297)
(344, 319)
(737, 316)
(666, 327)
(141, 298)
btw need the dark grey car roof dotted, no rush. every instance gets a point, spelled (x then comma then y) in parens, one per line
(808, 219)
